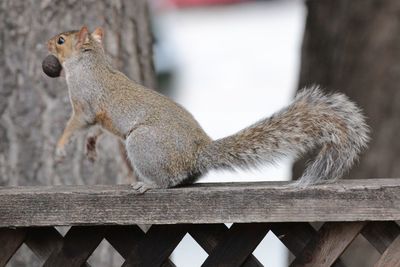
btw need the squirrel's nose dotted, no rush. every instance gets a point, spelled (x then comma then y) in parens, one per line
(49, 45)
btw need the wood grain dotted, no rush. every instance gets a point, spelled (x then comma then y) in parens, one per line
(155, 248)
(349, 200)
(326, 247)
(208, 236)
(126, 239)
(10, 240)
(237, 245)
(295, 236)
(391, 257)
(78, 244)
(381, 234)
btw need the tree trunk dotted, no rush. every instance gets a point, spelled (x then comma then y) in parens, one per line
(34, 108)
(354, 47)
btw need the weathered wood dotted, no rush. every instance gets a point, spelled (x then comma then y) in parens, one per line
(331, 241)
(381, 234)
(43, 241)
(78, 244)
(10, 240)
(295, 236)
(227, 247)
(391, 257)
(208, 236)
(126, 239)
(157, 246)
(347, 200)
(237, 245)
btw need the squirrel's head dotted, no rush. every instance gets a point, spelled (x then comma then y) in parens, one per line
(72, 44)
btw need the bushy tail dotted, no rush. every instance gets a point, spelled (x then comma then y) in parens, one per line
(329, 122)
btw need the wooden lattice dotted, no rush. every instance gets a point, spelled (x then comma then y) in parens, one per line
(23, 210)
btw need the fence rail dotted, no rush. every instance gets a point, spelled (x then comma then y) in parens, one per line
(349, 208)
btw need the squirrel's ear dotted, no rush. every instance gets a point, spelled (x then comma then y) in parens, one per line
(98, 34)
(82, 36)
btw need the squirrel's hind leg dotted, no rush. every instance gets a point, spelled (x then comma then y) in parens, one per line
(151, 155)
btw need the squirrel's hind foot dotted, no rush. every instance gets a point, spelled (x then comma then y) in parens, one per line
(141, 187)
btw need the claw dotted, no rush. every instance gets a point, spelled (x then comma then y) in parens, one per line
(141, 187)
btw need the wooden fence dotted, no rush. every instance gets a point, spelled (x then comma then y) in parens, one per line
(348, 208)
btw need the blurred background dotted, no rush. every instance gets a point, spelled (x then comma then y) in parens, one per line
(230, 65)
(229, 62)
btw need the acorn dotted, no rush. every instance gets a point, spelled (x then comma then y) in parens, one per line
(51, 66)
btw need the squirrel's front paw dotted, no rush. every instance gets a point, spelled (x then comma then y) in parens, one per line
(60, 154)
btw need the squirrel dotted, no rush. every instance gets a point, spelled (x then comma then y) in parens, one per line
(166, 145)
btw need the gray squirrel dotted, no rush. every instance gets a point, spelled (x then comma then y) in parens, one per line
(166, 145)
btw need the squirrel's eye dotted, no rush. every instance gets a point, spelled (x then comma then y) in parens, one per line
(60, 41)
